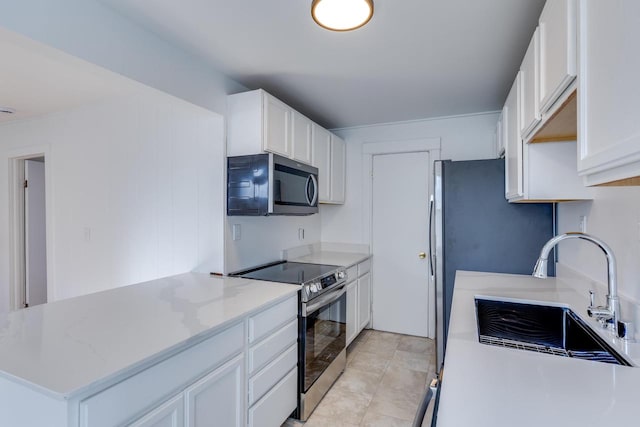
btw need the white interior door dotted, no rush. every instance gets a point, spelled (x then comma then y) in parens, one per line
(35, 233)
(399, 236)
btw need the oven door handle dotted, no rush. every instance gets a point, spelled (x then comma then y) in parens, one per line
(323, 300)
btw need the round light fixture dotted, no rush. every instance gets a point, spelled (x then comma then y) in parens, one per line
(341, 15)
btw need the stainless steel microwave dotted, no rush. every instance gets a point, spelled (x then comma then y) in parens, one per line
(268, 184)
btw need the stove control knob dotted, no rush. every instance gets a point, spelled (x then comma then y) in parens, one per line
(341, 275)
(314, 287)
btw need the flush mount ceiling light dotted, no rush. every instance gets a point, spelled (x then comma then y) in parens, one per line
(7, 110)
(341, 15)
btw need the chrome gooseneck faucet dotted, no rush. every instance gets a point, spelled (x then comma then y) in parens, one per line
(609, 314)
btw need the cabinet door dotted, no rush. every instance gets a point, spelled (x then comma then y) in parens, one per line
(513, 142)
(277, 128)
(218, 396)
(529, 69)
(352, 311)
(169, 414)
(322, 160)
(499, 138)
(558, 41)
(364, 301)
(338, 169)
(608, 92)
(300, 138)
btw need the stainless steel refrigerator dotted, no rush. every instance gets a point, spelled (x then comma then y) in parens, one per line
(473, 227)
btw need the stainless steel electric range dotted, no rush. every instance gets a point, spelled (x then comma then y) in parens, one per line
(322, 321)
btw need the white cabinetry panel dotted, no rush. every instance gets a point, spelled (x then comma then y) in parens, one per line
(300, 138)
(277, 126)
(558, 42)
(352, 311)
(322, 160)
(364, 301)
(608, 91)
(137, 392)
(218, 398)
(169, 414)
(275, 406)
(513, 141)
(530, 78)
(338, 169)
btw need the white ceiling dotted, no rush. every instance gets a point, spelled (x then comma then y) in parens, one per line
(415, 59)
(37, 79)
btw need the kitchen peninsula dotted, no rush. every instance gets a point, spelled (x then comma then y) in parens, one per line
(183, 344)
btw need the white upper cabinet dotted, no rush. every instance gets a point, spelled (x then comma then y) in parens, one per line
(258, 122)
(301, 138)
(338, 169)
(529, 81)
(499, 138)
(558, 42)
(329, 156)
(513, 142)
(322, 160)
(609, 92)
(537, 172)
(276, 126)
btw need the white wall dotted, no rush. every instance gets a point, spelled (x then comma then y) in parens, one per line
(134, 191)
(263, 238)
(467, 137)
(613, 216)
(92, 31)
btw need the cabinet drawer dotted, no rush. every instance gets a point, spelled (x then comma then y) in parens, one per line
(352, 273)
(143, 391)
(272, 318)
(364, 267)
(274, 408)
(269, 376)
(265, 351)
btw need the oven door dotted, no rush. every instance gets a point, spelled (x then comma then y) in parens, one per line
(323, 335)
(294, 187)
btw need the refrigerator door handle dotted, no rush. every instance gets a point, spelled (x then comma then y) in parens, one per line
(431, 212)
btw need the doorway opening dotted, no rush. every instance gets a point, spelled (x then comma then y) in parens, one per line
(29, 231)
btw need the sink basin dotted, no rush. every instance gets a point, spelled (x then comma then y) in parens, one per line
(541, 328)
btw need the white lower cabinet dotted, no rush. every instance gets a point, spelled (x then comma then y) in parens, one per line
(358, 299)
(274, 408)
(169, 414)
(352, 311)
(218, 398)
(364, 301)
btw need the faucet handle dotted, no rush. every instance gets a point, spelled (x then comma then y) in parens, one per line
(591, 298)
(625, 330)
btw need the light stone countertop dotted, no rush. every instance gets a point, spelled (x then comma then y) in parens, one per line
(490, 386)
(343, 259)
(66, 347)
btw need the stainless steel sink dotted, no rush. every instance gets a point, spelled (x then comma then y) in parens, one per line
(541, 328)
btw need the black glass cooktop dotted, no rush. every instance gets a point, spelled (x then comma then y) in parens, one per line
(288, 272)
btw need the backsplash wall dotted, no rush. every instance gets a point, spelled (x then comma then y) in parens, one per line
(613, 216)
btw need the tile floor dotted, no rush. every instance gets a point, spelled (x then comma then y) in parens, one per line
(383, 382)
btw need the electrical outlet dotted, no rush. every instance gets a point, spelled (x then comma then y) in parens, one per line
(237, 232)
(300, 233)
(583, 223)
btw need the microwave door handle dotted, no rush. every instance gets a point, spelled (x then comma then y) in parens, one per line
(306, 190)
(314, 182)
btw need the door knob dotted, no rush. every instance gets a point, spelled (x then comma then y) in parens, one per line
(422, 255)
